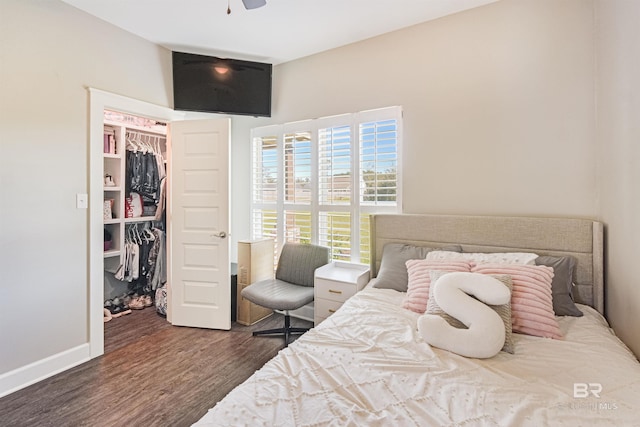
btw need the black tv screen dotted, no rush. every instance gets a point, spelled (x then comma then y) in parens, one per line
(220, 85)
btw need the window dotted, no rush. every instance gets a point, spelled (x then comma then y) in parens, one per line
(317, 181)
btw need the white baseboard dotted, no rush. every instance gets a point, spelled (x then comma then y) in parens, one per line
(37, 371)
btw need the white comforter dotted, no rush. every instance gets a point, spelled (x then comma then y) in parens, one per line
(367, 366)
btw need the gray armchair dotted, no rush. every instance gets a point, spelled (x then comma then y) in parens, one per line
(292, 287)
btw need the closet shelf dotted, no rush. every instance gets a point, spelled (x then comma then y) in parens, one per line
(139, 219)
(111, 253)
(112, 189)
(158, 129)
(112, 221)
(111, 156)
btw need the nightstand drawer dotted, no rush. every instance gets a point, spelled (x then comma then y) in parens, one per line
(324, 308)
(334, 291)
(335, 283)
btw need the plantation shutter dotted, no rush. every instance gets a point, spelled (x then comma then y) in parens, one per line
(317, 181)
(335, 166)
(336, 185)
(297, 168)
(264, 185)
(379, 162)
(297, 218)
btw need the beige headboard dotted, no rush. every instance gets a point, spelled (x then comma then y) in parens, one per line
(581, 238)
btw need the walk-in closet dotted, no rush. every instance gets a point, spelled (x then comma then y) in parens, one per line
(134, 215)
(160, 225)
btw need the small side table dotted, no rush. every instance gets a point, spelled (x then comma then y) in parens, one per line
(334, 283)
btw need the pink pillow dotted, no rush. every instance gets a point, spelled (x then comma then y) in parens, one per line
(419, 272)
(531, 300)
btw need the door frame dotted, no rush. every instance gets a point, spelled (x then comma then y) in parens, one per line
(100, 100)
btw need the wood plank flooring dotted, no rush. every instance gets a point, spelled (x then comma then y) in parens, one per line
(152, 374)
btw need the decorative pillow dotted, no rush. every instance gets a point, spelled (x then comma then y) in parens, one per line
(531, 301)
(488, 257)
(562, 284)
(393, 271)
(419, 280)
(461, 295)
(503, 310)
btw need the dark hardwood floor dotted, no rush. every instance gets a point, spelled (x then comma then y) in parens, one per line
(152, 374)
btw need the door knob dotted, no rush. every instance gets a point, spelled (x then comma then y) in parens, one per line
(221, 235)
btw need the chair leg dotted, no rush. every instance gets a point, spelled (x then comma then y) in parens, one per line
(287, 326)
(269, 332)
(286, 331)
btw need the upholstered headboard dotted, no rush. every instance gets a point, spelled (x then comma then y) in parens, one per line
(580, 238)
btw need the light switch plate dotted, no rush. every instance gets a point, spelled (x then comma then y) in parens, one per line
(82, 201)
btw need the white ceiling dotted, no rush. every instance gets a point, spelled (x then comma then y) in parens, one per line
(281, 31)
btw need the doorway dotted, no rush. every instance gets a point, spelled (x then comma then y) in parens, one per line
(134, 220)
(212, 291)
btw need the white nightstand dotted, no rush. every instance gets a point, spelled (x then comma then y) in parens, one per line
(334, 283)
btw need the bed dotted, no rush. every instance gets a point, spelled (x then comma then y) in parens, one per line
(369, 365)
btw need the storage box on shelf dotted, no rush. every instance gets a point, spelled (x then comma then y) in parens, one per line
(334, 283)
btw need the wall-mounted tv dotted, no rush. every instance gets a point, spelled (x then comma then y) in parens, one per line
(220, 85)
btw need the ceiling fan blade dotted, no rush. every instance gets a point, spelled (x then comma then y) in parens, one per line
(254, 4)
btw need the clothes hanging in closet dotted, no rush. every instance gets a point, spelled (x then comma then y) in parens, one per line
(144, 172)
(142, 263)
(143, 175)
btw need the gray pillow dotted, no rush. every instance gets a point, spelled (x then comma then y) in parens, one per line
(563, 267)
(393, 270)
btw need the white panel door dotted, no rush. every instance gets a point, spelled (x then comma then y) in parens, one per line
(199, 288)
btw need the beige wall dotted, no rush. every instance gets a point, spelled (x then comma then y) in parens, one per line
(49, 53)
(618, 94)
(498, 105)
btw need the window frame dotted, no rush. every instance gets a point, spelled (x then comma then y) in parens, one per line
(356, 206)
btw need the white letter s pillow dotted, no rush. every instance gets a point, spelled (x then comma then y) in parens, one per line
(485, 336)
